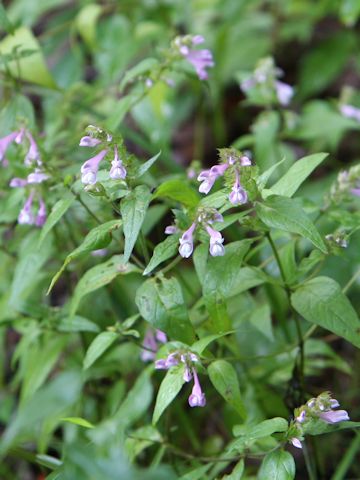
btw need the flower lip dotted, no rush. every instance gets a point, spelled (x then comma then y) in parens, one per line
(88, 141)
(335, 416)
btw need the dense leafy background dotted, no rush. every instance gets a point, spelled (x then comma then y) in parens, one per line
(275, 320)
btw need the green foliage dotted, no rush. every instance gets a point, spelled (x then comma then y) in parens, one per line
(157, 326)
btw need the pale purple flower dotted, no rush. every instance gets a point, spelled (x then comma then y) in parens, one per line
(245, 161)
(5, 143)
(160, 364)
(160, 336)
(88, 141)
(172, 360)
(187, 374)
(356, 191)
(334, 416)
(101, 252)
(33, 154)
(284, 92)
(301, 417)
(118, 171)
(349, 111)
(186, 242)
(296, 442)
(37, 177)
(41, 215)
(90, 168)
(216, 248)
(191, 173)
(26, 216)
(208, 177)
(151, 343)
(238, 195)
(18, 182)
(20, 136)
(200, 59)
(171, 229)
(247, 84)
(151, 347)
(197, 397)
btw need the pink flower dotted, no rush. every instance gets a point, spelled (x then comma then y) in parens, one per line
(41, 215)
(5, 143)
(334, 416)
(284, 92)
(90, 168)
(26, 216)
(216, 248)
(197, 397)
(208, 177)
(200, 59)
(349, 111)
(33, 154)
(88, 141)
(118, 171)
(296, 442)
(238, 195)
(186, 242)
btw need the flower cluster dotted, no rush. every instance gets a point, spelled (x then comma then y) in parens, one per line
(266, 75)
(233, 160)
(32, 159)
(204, 219)
(348, 181)
(151, 343)
(321, 407)
(90, 168)
(200, 59)
(21, 137)
(197, 396)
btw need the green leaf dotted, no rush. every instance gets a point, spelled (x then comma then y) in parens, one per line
(260, 317)
(199, 346)
(265, 176)
(278, 465)
(78, 421)
(133, 209)
(297, 174)
(5, 23)
(77, 324)
(169, 388)
(98, 237)
(163, 251)
(145, 166)
(143, 67)
(321, 301)
(98, 277)
(141, 439)
(219, 280)
(224, 378)
(285, 214)
(98, 346)
(137, 401)
(28, 269)
(48, 402)
(327, 60)
(160, 302)
(86, 21)
(57, 211)
(40, 360)
(237, 472)
(30, 68)
(263, 429)
(179, 191)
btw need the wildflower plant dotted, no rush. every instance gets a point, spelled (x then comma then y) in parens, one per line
(180, 193)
